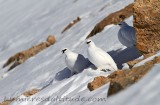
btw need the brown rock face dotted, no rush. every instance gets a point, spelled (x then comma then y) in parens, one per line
(132, 63)
(129, 77)
(31, 92)
(97, 82)
(147, 25)
(51, 39)
(121, 79)
(7, 102)
(71, 24)
(27, 94)
(22, 56)
(113, 18)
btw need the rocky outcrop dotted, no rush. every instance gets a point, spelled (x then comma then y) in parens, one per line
(98, 82)
(113, 18)
(26, 94)
(31, 92)
(132, 63)
(51, 39)
(121, 79)
(22, 56)
(147, 25)
(71, 24)
(7, 102)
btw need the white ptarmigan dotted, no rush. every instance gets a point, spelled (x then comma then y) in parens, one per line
(101, 59)
(127, 34)
(75, 62)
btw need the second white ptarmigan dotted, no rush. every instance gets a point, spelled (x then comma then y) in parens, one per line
(127, 34)
(75, 62)
(101, 59)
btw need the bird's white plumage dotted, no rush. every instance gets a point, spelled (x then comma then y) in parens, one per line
(127, 34)
(75, 62)
(99, 57)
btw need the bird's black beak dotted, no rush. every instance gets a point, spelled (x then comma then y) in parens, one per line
(119, 24)
(88, 42)
(63, 51)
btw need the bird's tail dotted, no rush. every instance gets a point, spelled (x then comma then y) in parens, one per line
(114, 68)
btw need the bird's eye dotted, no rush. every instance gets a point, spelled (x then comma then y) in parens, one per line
(88, 42)
(64, 50)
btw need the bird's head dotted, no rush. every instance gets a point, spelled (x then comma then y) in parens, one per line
(121, 24)
(89, 42)
(64, 50)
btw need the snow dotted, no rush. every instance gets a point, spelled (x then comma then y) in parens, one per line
(26, 23)
(147, 59)
(145, 92)
(68, 87)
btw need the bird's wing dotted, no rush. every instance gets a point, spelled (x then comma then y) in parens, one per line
(128, 33)
(107, 57)
(122, 38)
(104, 54)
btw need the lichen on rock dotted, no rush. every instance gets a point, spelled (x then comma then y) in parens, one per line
(147, 25)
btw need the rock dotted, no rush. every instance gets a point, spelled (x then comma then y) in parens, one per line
(148, 55)
(130, 77)
(122, 79)
(117, 74)
(114, 88)
(22, 56)
(154, 61)
(7, 102)
(27, 94)
(97, 82)
(113, 18)
(132, 63)
(157, 59)
(51, 39)
(16, 57)
(71, 24)
(31, 92)
(147, 25)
